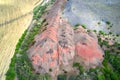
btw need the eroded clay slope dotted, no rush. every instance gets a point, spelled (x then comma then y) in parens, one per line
(56, 48)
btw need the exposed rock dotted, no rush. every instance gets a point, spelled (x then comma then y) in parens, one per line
(86, 46)
(54, 49)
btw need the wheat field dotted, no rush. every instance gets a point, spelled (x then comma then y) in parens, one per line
(13, 22)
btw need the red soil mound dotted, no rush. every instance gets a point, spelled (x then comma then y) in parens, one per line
(59, 44)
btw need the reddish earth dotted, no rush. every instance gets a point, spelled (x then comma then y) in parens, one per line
(56, 48)
(87, 48)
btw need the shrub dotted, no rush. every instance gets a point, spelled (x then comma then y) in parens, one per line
(77, 25)
(99, 23)
(62, 77)
(88, 30)
(76, 64)
(84, 26)
(95, 31)
(108, 22)
(101, 33)
(81, 69)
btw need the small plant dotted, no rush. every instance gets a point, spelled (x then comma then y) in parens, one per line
(76, 64)
(101, 33)
(99, 23)
(77, 25)
(110, 33)
(50, 70)
(95, 31)
(88, 30)
(81, 69)
(108, 22)
(62, 77)
(110, 26)
(84, 26)
(117, 35)
(105, 42)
